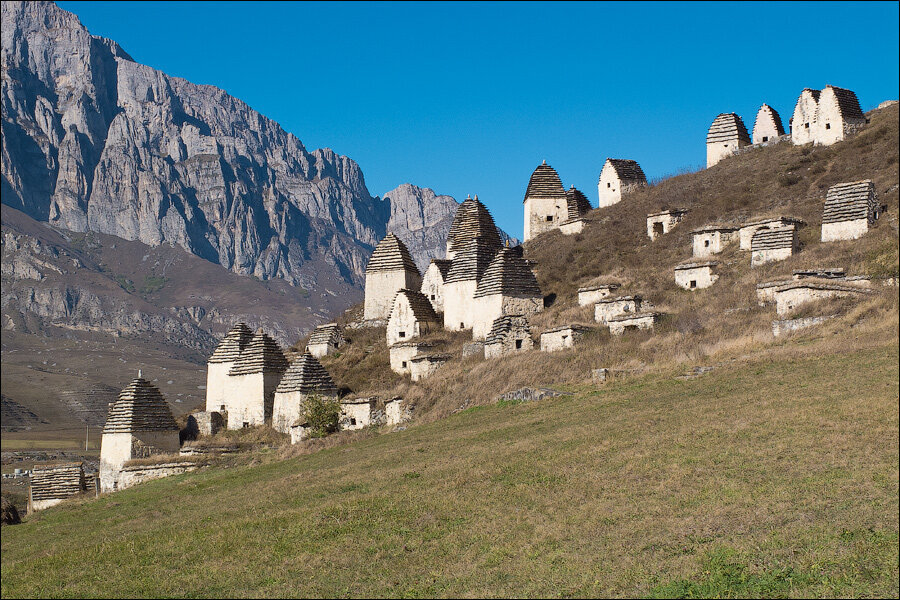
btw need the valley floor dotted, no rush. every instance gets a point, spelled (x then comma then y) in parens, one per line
(766, 477)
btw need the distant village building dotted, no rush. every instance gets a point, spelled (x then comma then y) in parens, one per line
(51, 484)
(796, 293)
(424, 365)
(252, 382)
(748, 229)
(712, 239)
(411, 316)
(139, 424)
(578, 206)
(768, 245)
(663, 222)
(839, 115)
(633, 322)
(562, 337)
(221, 361)
(850, 209)
(546, 205)
(726, 134)
(507, 287)
(609, 308)
(768, 127)
(324, 340)
(402, 353)
(619, 176)
(803, 122)
(696, 275)
(509, 334)
(306, 377)
(433, 282)
(357, 413)
(592, 294)
(390, 269)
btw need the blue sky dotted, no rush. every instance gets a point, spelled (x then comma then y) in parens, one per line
(468, 98)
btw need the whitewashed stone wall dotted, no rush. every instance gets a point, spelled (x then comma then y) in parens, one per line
(382, 286)
(289, 406)
(403, 325)
(357, 414)
(644, 322)
(459, 297)
(320, 350)
(761, 257)
(299, 433)
(544, 214)
(707, 243)
(662, 223)
(745, 233)
(765, 292)
(395, 411)
(488, 308)
(831, 126)
(844, 230)
(611, 308)
(37, 505)
(572, 227)
(118, 448)
(513, 344)
(696, 277)
(787, 300)
(401, 354)
(592, 295)
(216, 384)
(764, 129)
(780, 328)
(803, 123)
(136, 474)
(553, 341)
(250, 398)
(433, 287)
(421, 368)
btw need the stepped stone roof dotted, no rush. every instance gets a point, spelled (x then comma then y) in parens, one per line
(140, 407)
(440, 357)
(419, 304)
(600, 286)
(849, 201)
(715, 227)
(726, 127)
(503, 326)
(470, 261)
(57, 481)
(627, 170)
(262, 355)
(330, 333)
(443, 266)
(826, 273)
(391, 254)
(578, 204)
(766, 110)
(307, 375)
(697, 265)
(848, 103)
(545, 183)
(509, 275)
(772, 239)
(231, 346)
(472, 221)
(573, 327)
(620, 299)
(822, 285)
(631, 316)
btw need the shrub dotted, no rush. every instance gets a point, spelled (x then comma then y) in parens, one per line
(322, 414)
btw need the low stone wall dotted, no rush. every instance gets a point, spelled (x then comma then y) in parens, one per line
(136, 474)
(572, 227)
(786, 326)
(844, 230)
(761, 257)
(527, 394)
(592, 295)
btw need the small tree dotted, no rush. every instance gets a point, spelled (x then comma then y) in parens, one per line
(322, 415)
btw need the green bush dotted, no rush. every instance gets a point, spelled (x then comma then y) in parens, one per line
(323, 415)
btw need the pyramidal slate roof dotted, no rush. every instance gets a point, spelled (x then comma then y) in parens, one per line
(231, 346)
(57, 481)
(330, 333)
(470, 261)
(773, 239)
(510, 275)
(627, 170)
(545, 183)
(726, 127)
(307, 375)
(391, 254)
(419, 305)
(262, 355)
(140, 407)
(472, 221)
(848, 103)
(849, 202)
(443, 266)
(767, 112)
(578, 203)
(503, 326)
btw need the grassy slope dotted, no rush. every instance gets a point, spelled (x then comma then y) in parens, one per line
(765, 477)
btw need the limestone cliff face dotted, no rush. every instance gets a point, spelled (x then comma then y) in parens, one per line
(421, 219)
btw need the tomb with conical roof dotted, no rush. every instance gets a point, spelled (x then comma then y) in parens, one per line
(412, 316)
(324, 340)
(220, 363)
(472, 221)
(619, 176)
(546, 205)
(768, 128)
(390, 269)
(466, 270)
(726, 134)
(139, 424)
(507, 287)
(252, 382)
(304, 378)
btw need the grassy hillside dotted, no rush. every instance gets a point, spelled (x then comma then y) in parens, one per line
(774, 476)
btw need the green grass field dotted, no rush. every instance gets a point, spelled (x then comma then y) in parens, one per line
(762, 478)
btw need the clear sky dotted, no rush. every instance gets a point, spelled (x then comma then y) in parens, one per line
(468, 98)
